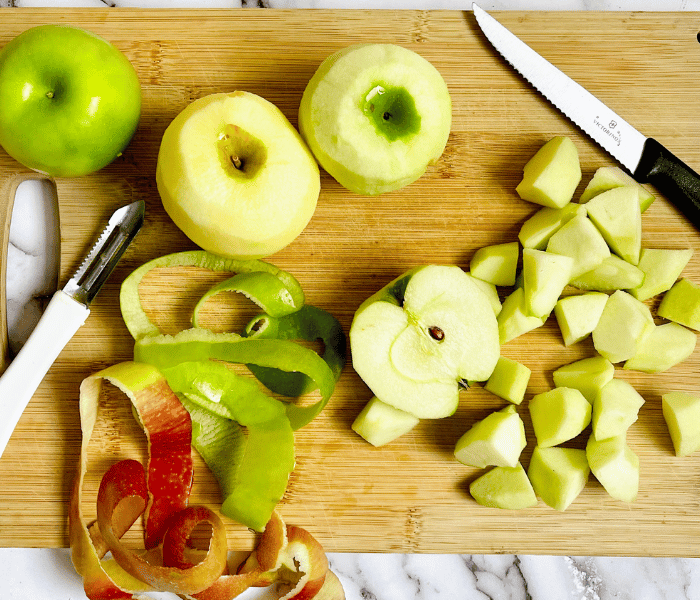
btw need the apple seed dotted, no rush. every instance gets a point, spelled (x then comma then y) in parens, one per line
(436, 333)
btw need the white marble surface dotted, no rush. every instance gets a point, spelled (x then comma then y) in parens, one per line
(47, 574)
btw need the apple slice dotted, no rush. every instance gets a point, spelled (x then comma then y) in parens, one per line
(666, 346)
(581, 240)
(418, 337)
(513, 321)
(235, 176)
(497, 440)
(375, 116)
(616, 214)
(545, 276)
(610, 275)
(504, 487)
(537, 230)
(661, 269)
(496, 264)
(622, 327)
(379, 423)
(682, 415)
(559, 415)
(587, 375)
(615, 408)
(509, 380)
(613, 463)
(607, 178)
(558, 475)
(681, 304)
(577, 316)
(550, 177)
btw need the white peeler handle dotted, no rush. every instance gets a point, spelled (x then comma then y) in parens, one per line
(61, 319)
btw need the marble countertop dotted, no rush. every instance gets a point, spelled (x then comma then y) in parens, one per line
(47, 574)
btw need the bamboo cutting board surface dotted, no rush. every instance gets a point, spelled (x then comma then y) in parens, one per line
(410, 496)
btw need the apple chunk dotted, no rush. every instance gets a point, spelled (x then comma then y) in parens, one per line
(682, 415)
(622, 328)
(509, 380)
(504, 487)
(545, 276)
(616, 214)
(378, 423)
(615, 408)
(681, 304)
(613, 463)
(661, 269)
(558, 475)
(666, 346)
(496, 440)
(607, 178)
(375, 116)
(537, 230)
(581, 240)
(496, 264)
(513, 320)
(587, 375)
(577, 316)
(416, 339)
(550, 177)
(610, 275)
(559, 415)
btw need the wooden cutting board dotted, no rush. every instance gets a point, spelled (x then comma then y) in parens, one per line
(410, 496)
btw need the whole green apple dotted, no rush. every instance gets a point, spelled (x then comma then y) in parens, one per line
(71, 101)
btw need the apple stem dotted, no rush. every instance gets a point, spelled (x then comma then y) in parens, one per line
(237, 162)
(49, 94)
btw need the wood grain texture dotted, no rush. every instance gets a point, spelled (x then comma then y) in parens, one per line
(410, 496)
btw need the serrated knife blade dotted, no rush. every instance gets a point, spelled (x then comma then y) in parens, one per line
(64, 315)
(645, 158)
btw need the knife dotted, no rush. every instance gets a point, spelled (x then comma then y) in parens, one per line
(64, 315)
(645, 158)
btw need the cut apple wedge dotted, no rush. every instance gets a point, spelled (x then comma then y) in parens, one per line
(681, 304)
(616, 214)
(607, 178)
(661, 269)
(558, 415)
(623, 326)
(504, 487)
(666, 346)
(537, 230)
(577, 316)
(509, 380)
(682, 415)
(491, 292)
(558, 475)
(550, 177)
(587, 375)
(496, 264)
(615, 466)
(513, 320)
(615, 409)
(379, 423)
(496, 440)
(545, 276)
(581, 240)
(610, 275)
(415, 340)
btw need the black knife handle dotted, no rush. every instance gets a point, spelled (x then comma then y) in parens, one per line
(672, 177)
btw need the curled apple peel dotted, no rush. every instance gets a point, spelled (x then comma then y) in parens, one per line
(127, 491)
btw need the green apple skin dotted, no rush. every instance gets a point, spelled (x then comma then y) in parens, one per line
(507, 488)
(71, 101)
(417, 338)
(250, 211)
(376, 116)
